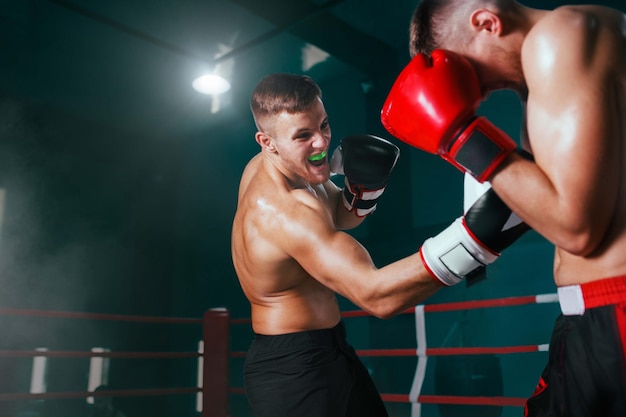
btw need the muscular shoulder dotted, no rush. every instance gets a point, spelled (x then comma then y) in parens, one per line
(583, 36)
(566, 29)
(279, 214)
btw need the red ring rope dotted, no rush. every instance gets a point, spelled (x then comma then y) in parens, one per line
(96, 316)
(459, 400)
(469, 305)
(453, 351)
(108, 393)
(91, 354)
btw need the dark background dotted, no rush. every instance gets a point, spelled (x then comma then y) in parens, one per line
(119, 186)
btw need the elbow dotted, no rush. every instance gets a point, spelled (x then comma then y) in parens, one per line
(385, 300)
(581, 232)
(577, 247)
(371, 299)
(382, 309)
(582, 243)
(383, 314)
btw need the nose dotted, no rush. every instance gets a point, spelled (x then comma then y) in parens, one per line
(321, 140)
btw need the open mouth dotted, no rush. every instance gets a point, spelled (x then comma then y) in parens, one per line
(318, 159)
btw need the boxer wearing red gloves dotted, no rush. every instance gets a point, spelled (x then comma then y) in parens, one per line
(567, 67)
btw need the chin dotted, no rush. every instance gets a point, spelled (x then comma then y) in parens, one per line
(319, 178)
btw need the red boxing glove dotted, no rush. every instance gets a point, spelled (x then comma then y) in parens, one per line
(432, 106)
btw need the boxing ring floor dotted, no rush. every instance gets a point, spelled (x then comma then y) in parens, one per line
(195, 370)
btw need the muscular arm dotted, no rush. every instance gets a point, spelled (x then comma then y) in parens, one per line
(342, 264)
(569, 193)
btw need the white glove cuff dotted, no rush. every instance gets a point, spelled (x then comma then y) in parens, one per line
(362, 202)
(360, 212)
(453, 254)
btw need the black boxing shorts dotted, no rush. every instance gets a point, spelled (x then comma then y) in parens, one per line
(309, 374)
(586, 371)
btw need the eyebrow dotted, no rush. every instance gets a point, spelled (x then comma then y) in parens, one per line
(300, 131)
(306, 129)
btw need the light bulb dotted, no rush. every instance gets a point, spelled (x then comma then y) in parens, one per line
(211, 84)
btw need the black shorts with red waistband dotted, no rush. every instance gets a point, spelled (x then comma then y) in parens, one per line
(586, 371)
(309, 374)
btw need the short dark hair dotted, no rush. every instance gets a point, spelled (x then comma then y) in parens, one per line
(426, 26)
(280, 92)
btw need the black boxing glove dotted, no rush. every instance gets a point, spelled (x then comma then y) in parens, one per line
(490, 220)
(367, 162)
(474, 240)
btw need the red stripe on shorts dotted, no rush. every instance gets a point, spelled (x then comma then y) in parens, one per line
(604, 292)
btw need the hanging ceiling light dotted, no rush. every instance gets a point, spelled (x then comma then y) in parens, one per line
(211, 84)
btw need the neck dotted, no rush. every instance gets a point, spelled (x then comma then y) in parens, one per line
(527, 17)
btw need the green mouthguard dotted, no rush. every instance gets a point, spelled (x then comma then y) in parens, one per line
(318, 157)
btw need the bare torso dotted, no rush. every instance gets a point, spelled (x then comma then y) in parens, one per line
(284, 298)
(597, 131)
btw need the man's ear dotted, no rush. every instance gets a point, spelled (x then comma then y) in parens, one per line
(487, 21)
(265, 141)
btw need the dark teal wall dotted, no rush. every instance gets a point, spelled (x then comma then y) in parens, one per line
(88, 225)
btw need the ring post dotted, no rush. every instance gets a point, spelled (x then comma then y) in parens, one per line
(215, 364)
